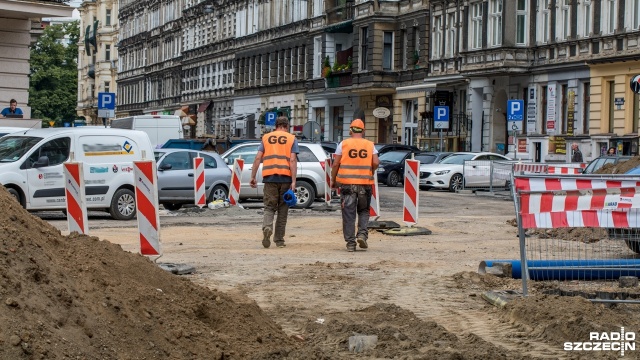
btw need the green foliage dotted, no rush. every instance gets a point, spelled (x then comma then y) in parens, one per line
(326, 63)
(53, 84)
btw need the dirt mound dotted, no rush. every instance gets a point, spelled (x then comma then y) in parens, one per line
(399, 331)
(79, 297)
(619, 168)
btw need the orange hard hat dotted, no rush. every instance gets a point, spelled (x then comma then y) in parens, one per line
(357, 123)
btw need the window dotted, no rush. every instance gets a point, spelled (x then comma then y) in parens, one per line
(545, 15)
(107, 86)
(437, 37)
(209, 161)
(495, 22)
(306, 155)
(56, 150)
(586, 108)
(405, 49)
(451, 35)
(107, 19)
(179, 160)
(364, 47)
(611, 87)
(610, 17)
(387, 50)
(586, 17)
(521, 22)
(635, 15)
(107, 52)
(476, 27)
(566, 18)
(247, 153)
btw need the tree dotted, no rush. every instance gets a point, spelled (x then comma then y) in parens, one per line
(53, 84)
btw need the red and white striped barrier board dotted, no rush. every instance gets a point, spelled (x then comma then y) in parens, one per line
(530, 168)
(563, 170)
(327, 181)
(198, 181)
(593, 218)
(333, 158)
(144, 172)
(75, 195)
(411, 183)
(236, 176)
(374, 208)
(580, 200)
(571, 183)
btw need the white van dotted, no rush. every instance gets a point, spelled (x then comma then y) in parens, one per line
(31, 167)
(4, 130)
(160, 128)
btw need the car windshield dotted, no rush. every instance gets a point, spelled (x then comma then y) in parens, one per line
(12, 148)
(457, 159)
(393, 156)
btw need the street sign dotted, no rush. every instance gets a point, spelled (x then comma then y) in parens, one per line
(270, 118)
(441, 117)
(515, 114)
(106, 105)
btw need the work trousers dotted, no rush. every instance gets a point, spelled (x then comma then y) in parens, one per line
(274, 202)
(355, 201)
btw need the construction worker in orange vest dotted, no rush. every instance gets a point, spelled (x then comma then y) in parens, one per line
(353, 169)
(278, 154)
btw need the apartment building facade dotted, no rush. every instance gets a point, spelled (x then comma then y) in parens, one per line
(97, 56)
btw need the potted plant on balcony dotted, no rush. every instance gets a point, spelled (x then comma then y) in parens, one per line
(326, 68)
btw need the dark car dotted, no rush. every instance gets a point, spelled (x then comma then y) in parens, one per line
(383, 148)
(599, 162)
(391, 169)
(431, 157)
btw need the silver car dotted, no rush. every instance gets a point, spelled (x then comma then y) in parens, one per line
(175, 177)
(309, 178)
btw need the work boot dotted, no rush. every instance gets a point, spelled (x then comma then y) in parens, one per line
(362, 242)
(281, 244)
(351, 247)
(266, 232)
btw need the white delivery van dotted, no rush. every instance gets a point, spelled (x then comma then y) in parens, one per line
(31, 166)
(160, 128)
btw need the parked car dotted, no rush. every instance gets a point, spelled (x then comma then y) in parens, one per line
(175, 177)
(383, 148)
(431, 157)
(310, 178)
(599, 162)
(391, 169)
(448, 173)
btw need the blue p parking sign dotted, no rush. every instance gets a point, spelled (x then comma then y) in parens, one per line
(515, 114)
(270, 119)
(441, 117)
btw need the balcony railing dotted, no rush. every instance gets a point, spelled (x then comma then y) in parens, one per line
(339, 79)
(342, 11)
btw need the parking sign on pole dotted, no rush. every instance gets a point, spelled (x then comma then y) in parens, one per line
(515, 114)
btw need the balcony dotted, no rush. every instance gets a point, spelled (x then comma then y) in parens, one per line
(342, 10)
(339, 79)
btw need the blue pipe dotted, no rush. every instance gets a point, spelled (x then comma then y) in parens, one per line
(571, 269)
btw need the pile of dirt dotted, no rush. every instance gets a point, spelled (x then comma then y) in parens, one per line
(399, 332)
(619, 168)
(79, 297)
(585, 235)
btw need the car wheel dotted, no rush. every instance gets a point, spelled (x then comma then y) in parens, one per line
(16, 195)
(172, 206)
(305, 194)
(123, 205)
(393, 179)
(456, 182)
(218, 193)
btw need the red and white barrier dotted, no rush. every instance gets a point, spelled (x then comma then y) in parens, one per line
(333, 158)
(75, 198)
(374, 209)
(564, 170)
(592, 218)
(198, 180)
(236, 176)
(571, 183)
(579, 200)
(327, 181)
(144, 172)
(530, 168)
(411, 183)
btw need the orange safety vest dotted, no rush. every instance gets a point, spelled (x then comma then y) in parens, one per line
(355, 163)
(277, 152)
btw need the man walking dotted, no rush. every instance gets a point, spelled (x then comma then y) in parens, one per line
(577, 154)
(277, 152)
(356, 160)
